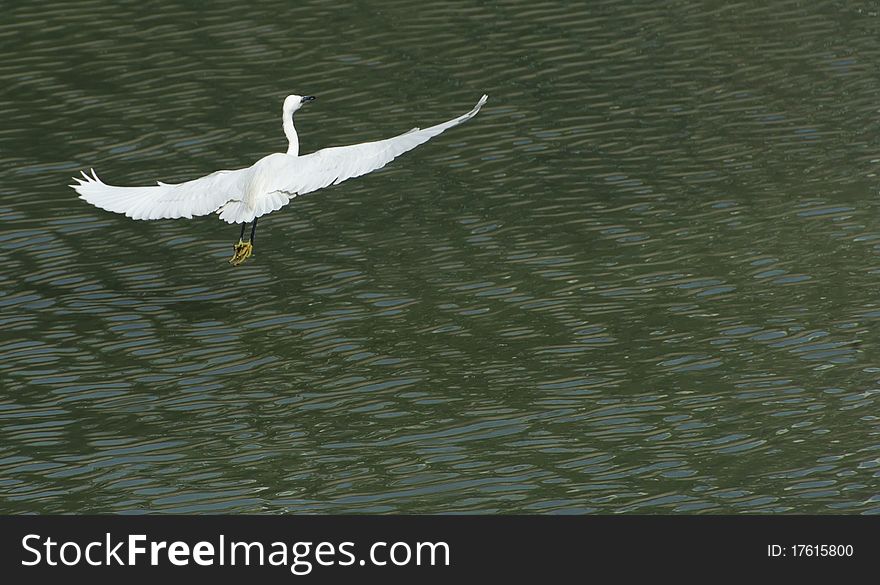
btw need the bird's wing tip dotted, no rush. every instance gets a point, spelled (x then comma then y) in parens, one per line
(475, 109)
(87, 178)
(479, 105)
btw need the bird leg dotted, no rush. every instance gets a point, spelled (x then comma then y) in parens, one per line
(238, 250)
(243, 250)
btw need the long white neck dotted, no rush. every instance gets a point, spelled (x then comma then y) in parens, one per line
(290, 132)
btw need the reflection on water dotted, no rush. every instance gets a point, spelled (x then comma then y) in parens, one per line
(644, 279)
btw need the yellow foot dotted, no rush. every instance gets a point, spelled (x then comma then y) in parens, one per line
(241, 252)
(236, 250)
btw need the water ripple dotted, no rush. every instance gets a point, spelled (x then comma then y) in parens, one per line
(642, 280)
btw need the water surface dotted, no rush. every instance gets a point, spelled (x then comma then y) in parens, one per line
(643, 279)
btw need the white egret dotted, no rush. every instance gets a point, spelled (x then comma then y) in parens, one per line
(243, 195)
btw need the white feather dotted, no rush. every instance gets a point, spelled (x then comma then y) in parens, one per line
(245, 194)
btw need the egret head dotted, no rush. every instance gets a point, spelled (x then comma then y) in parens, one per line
(294, 102)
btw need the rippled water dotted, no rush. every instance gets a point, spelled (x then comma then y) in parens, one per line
(643, 279)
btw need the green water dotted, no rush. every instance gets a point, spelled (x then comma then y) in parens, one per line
(643, 279)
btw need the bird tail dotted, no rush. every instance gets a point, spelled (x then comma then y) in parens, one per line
(238, 211)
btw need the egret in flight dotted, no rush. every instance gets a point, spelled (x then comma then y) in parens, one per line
(243, 195)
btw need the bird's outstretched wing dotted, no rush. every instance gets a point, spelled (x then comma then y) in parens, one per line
(165, 201)
(331, 166)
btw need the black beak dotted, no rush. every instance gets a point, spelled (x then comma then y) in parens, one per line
(307, 98)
